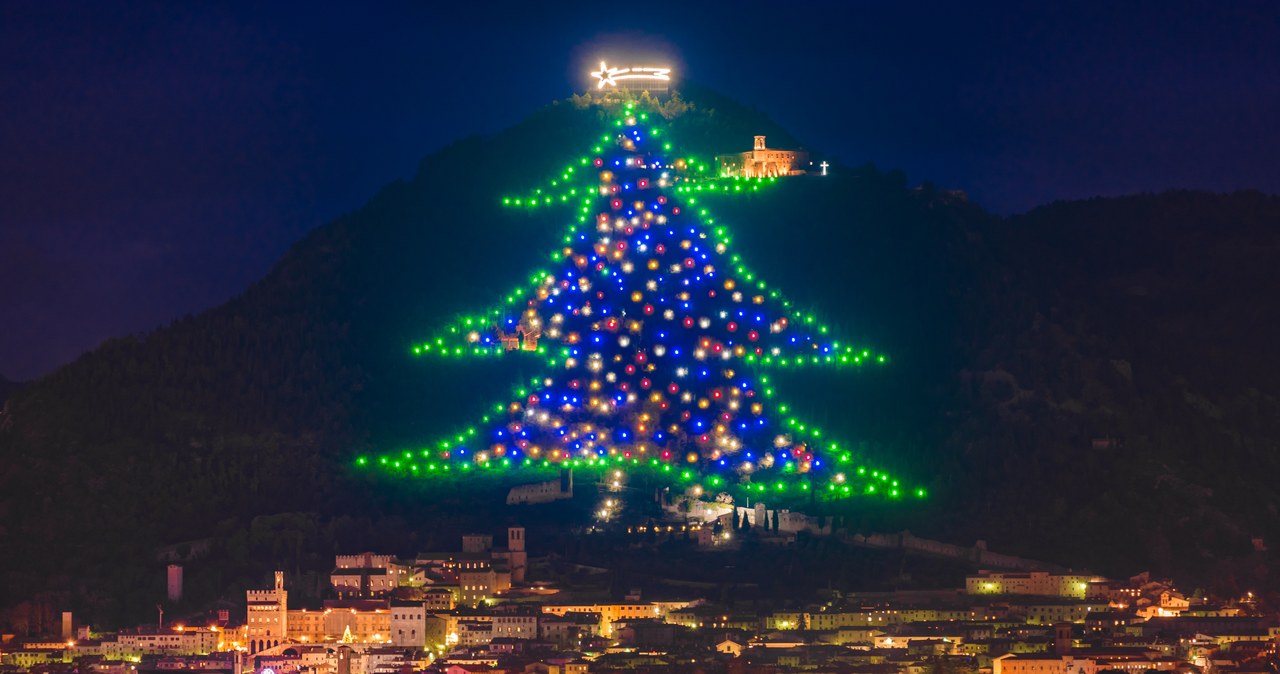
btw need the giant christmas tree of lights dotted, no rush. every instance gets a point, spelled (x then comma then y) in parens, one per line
(657, 341)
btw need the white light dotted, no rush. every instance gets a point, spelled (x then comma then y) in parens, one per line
(610, 76)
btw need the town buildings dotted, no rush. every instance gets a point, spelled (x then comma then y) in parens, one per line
(465, 612)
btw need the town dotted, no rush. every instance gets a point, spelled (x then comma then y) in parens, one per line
(477, 610)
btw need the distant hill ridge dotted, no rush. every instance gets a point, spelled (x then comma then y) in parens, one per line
(1016, 342)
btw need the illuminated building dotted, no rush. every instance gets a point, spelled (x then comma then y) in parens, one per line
(1129, 661)
(367, 575)
(1056, 612)
(516, 625)
(485, 571)
(176, 641)
(478, 581)
(270, 623)
(267, 623)
(609, 613)
(762, 162)
(440, 599)
(1041, 583)
(409, 624)
(568, 630)
(367, 621)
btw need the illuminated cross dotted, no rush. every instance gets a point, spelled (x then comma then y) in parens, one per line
(824, 166)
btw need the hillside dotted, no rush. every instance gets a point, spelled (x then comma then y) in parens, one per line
(7, 388)
(1136, 378)
(1016, 342)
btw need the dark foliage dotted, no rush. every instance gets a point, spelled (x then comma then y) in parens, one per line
(1090, 382)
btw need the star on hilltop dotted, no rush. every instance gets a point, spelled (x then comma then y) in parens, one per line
(610, 76)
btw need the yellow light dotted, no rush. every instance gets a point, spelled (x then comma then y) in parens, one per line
(609, 77)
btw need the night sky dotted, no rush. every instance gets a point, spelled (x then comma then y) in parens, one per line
(155, 159)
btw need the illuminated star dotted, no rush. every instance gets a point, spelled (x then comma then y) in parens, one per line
(610, 76)
(605, 75)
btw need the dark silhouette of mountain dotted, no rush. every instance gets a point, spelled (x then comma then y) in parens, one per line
(1090, 382)
(7, 388)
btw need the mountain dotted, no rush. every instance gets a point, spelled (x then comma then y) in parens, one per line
(1089, 382)
(1134, 375)
(7, 388)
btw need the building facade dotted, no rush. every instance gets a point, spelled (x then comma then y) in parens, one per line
(1040, 583)
(762, 162)
(267, 622)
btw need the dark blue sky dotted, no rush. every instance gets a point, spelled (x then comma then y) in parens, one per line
(156, 158)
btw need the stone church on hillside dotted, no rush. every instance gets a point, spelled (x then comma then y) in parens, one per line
(762, 162)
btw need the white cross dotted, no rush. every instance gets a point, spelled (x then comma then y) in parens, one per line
(824, 166)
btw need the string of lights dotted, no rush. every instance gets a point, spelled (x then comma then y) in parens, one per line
(656, 339)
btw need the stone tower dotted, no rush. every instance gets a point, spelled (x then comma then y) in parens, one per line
(1062, 638)
(519, 557)
(174, 582)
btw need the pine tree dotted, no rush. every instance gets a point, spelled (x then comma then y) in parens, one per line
(657, 341)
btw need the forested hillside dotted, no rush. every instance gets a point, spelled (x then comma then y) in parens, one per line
(7, 388)
(1049, 372)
